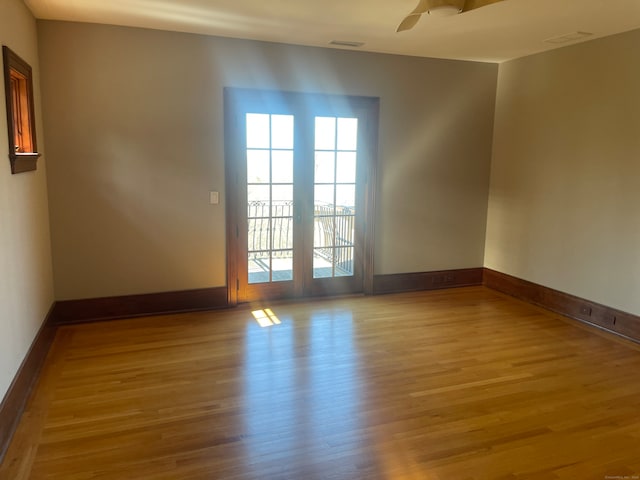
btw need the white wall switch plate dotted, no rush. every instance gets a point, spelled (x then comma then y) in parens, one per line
(214, 198)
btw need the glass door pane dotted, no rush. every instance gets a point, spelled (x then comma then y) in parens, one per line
(335, 152)
(269, 150)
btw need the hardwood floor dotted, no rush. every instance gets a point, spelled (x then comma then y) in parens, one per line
(459, 384)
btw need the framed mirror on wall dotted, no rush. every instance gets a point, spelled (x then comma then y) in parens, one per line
(21, 124)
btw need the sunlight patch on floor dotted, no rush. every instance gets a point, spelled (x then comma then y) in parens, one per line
(266, 317)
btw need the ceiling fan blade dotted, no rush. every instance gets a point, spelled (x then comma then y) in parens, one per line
(473, 4)
(409, 22)
(422, 7)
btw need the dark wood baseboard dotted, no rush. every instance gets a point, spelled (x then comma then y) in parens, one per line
(607, 318)
(108, 308)
(410, 282)
(25, 379)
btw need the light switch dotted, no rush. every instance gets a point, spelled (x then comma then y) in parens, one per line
(214, 198)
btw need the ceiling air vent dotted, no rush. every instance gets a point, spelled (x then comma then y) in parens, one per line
(346, 43)
(568, 37)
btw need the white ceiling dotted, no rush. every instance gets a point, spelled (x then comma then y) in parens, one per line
(495, 33)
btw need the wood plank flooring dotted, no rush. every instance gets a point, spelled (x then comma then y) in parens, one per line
(462, 384)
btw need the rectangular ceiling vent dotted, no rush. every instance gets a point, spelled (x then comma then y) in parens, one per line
(346, 43)
(568, 37)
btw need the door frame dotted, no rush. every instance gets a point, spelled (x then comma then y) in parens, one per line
(236, 99)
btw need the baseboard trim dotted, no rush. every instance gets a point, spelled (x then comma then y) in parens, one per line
(109, 308)
(411, 282)
(593, 313)
(15, 400)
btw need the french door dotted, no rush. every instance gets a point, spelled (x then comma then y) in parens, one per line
(300, 183)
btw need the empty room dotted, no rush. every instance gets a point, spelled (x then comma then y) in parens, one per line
(320, 240)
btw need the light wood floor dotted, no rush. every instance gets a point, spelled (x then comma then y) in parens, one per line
(449, 385)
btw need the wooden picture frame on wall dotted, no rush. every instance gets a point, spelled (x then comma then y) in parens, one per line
(21, 122)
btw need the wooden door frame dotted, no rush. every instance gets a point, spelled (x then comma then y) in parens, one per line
(233, 97)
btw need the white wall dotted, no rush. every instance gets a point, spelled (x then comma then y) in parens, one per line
(135, 142)
(26, 285)
(565, 181)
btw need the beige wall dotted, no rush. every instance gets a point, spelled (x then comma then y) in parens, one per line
(565, 182)
(26, 287)
(135, 142)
